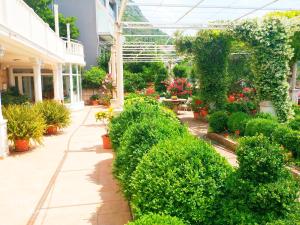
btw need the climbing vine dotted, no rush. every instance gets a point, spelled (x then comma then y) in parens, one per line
(210, 50)
(272, 49)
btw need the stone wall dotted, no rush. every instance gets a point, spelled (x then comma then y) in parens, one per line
(87, 93)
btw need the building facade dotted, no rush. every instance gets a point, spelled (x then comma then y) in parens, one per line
(35, 60)
(96, 21)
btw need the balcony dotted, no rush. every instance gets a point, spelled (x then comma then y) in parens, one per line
(20, 24)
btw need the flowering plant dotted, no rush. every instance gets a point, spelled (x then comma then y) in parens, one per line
(197, 104)
(105, 117)
(108, 84)
(180, 87)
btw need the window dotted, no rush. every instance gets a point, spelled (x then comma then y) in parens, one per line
(67, 89)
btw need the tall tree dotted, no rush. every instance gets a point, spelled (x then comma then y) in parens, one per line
(42, 8)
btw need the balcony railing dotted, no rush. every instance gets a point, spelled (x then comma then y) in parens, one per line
(22, 22)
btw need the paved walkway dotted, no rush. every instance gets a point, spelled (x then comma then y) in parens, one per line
(67, 181)
(199, 129)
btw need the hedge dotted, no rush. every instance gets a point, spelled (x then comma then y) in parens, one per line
(135, 110)
(260, 126)
(237, 122)
(218, 121)
(262, 190)
(155, 219)
(180, 177)
(137, 141)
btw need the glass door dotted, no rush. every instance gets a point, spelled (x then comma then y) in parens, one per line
(28, 87)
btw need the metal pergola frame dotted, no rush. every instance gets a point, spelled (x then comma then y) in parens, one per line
(134, 51)
(135, 42)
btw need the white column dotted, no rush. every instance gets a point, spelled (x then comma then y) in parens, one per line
(119, 61)
(3, 134)
(37, 76)
(71, 84)
(56, 19)
(11, 76)
(113, 69)
(57, 82)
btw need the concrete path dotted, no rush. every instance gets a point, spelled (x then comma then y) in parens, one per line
(67, 181)
(199, 129)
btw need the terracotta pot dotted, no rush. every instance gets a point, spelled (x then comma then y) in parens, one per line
(52, 130)
(226, 135)
(231, 98)
(196, 115)
(94, 102)
(21, 145)
(237, 133)
(106, 142)
(203, 113)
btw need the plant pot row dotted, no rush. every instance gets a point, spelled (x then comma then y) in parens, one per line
(201, 114)
(23, 145)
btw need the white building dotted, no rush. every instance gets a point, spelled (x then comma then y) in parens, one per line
(36, 60)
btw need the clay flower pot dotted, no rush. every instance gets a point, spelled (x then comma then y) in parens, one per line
(94, 102)
(237, 133)
(106, 142)
(203, 113)
(21, 145)
(52, 130)
(231, 98)
(196, 115)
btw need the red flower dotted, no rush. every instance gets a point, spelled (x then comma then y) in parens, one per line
(198, 102)
(247, 89)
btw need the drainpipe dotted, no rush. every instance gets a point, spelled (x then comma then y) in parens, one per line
(56, 19)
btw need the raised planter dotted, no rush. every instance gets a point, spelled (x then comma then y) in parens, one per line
(267, 107)
(228, 143)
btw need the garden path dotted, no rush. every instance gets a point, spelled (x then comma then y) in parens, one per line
(67, 181)
(199, 129)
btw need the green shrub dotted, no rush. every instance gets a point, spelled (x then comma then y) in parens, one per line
(288, 138)
(218, 121)
(259, 159)
(296, 109)
(155, 219)
(13, 97)
(295, 123)
(24, 123)
(135, 110)
(54, 113)
(260, 126)
(237, 122)
(93, 77)
(267, 116)
(180, 177)
(137, 141)
(261, 190)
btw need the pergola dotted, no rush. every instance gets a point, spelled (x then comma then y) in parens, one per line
(150, 38)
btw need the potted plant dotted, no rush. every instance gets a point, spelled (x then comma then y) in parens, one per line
(196, 105)
(55, 114)
(105, 117)
(25, 123)
(105, 99)
(95, 99)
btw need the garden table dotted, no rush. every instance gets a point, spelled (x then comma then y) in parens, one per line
(175, 103)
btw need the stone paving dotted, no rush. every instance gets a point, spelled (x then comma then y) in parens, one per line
(199, 129)
(67, 181)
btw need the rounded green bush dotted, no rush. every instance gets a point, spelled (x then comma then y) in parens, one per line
(135, 110)
(137, 141)
(260, 126)
(267, 116)
(261, 190)
(237, 122)
(288, 138)
(259, 159)
(180, 177)
(218, 121)
(155, 219)
(295, 123)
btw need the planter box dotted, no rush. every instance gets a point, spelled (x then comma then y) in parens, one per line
(267, 107)
(230, 144)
